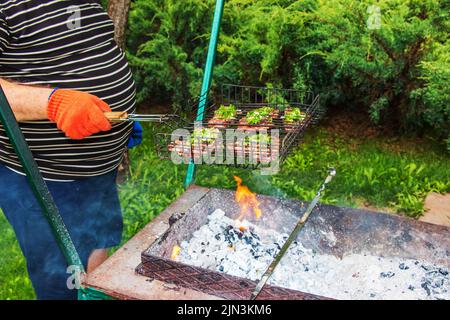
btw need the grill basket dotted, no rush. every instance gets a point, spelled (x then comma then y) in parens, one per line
(262, 126)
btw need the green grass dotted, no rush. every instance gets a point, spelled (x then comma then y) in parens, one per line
(398, 180)
(393, 175)
(14, 282)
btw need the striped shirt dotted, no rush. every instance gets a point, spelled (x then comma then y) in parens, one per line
(67, 44)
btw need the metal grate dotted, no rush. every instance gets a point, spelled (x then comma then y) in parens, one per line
(218, 284)
(270, 138)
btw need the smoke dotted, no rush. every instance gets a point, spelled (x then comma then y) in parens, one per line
(263, 185)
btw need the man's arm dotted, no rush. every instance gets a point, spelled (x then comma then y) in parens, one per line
(27, 102)
(78, 114)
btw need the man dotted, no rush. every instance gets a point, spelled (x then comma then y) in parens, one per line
(61, 70)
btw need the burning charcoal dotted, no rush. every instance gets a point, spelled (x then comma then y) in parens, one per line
(388, 274)
(403, 266)
(248, 240)
(254, 235)
(435, 283)
(443, 272)
(248, 253)
(433, 272)
(227, 236)
(425, 287)
(426, 268)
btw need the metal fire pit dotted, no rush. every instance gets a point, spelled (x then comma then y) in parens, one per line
(355, 231)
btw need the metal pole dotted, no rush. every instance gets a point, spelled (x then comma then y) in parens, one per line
(207, 76)
(292, 237)
(37, 183)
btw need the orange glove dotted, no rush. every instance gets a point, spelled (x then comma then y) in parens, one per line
(78, 114)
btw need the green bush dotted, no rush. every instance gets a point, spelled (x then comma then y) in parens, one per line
(167, 44)
(391, 60)
(397, 67)
(433, 98)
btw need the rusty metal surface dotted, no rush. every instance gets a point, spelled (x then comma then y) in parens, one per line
(330, 230)
(355, 230)
(374, 233)
(213, 283)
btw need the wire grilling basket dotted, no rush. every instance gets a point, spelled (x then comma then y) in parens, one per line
(243, 126)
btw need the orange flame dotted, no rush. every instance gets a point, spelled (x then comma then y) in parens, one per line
(247, 202)
(175, 252)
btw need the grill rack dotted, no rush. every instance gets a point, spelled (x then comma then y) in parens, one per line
(245, 154)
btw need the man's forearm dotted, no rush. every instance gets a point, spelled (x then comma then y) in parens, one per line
(27, 102)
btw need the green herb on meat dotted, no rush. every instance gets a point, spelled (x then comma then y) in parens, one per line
(259, 115)
(267, 111)
(225, 113)
(294, 115)
(205, 135)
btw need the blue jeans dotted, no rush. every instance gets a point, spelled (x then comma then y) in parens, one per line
(91, 212)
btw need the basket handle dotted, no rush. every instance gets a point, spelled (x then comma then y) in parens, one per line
(116, 116)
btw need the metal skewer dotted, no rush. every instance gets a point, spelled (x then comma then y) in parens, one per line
(292, 237)
(126, 117)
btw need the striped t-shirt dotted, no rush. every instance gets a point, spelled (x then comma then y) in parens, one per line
(67, 44)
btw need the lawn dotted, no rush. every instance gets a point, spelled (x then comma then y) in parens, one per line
(391, 174)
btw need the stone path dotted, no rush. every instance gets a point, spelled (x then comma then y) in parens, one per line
(437, 208)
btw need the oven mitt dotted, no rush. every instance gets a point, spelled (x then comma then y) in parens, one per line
(136, 135)
(78, 114)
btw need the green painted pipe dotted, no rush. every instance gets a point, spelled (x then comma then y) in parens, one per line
(207, 76)
(37, 183)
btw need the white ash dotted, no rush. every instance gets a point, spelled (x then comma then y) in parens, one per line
(220, 246)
